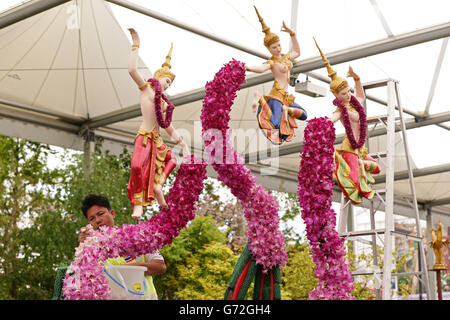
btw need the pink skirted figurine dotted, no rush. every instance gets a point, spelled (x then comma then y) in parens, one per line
(277, 112)
(353, 167)
(152, 159)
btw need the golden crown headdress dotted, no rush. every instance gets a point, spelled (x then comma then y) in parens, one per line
(337, 83)
(164, 71)
(270, 37)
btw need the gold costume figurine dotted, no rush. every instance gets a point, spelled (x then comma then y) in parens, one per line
(437, 244)
(277, 112)
(353, 166)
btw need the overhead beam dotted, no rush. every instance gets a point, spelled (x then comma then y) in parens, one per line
(38, 119)
(436, 203)
(294, 18)
(27, 10)
(437, 70)
(114, 140)
(134, 111)
(381, 18)
(370, 97)
(409, 124)
(417, 172)
(63, 116)
(402, 207)
(174, 22)
(364, 50)
(302, 66)
(401, 175)
(396, 42)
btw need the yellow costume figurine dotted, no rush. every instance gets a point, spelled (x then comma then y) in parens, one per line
(437, 244)
(277, 112)
(152, 160)
(353, 167)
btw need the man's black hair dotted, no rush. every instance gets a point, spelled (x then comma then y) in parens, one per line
(94, 200)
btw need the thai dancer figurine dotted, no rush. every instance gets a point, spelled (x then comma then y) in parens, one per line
(277, 112)
(152, 160)
(353, 167)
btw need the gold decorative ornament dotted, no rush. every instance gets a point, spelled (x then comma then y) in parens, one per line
(437, 244)
(143, 86)
(164, 71)
(337, 83)
(270, 37)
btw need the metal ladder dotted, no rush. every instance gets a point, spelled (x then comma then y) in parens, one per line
(386, 196)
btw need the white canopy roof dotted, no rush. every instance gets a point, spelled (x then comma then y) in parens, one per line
(64, 72)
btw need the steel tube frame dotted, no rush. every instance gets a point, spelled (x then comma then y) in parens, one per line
(381, 18)
(357, 52)
(410, 124)
(413, 192)
(436, 75)
(64, 117)
(185, 26)
(27, 10)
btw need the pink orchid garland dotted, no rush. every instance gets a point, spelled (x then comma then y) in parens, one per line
(346, 120)
(87, 281)
(315, 183)
(266, 242)
(163, 123)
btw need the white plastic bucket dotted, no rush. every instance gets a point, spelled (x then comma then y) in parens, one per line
(126, 282)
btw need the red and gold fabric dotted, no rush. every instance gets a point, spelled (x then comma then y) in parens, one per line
(349, 174)
(151, 163)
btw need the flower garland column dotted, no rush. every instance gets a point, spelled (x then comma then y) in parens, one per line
(265, 251)
(315, 183)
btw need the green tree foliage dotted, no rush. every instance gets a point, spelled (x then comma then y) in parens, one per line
(108, 175)
(199, 264)
(227, 215)
(297, 276)
(40, 211)
(26, 185)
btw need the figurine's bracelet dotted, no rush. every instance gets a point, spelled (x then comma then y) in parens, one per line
(143, 86)
(292, 34)
(356, 78)
(135, 46)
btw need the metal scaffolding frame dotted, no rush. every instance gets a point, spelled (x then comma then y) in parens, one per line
(436, 75)
(387, 196)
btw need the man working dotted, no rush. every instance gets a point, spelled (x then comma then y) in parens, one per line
(98, 211)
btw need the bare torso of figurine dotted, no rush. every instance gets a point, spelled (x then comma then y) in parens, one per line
(149, 122)
(354, 121)
(282, 72)
(353, 116)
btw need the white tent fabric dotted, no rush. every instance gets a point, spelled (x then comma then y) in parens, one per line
(49, 62)
(68, 65)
